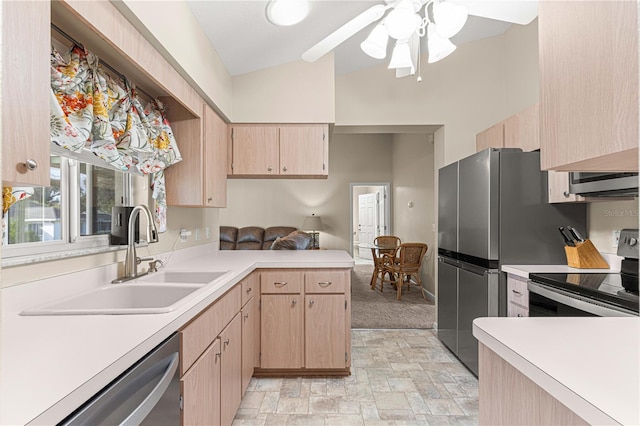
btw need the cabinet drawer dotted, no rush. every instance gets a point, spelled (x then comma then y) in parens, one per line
(281, 282)
(517, 311)
(196, 336)
(326, 281)
(250, 287)
(517, 290)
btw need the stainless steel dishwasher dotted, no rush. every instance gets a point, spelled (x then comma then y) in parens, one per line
(148, 393)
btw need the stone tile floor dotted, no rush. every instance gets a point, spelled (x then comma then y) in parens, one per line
(398, 377)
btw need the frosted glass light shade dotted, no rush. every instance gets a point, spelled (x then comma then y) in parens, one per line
(403, 20)
(401, 56)
(449, 18)
(285, 13)
(439, 48)
(375, 45)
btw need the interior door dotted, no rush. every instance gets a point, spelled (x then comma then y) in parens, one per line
(368, 226)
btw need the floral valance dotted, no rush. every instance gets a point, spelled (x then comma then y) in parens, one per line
(91, 110)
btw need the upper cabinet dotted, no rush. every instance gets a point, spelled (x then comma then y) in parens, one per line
(25, 94)
(588, 85)
(283, 150)
(200, 179)
(521, 130)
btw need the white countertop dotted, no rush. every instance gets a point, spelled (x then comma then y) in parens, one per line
(523, 271)
(591, 365)
(50, 365)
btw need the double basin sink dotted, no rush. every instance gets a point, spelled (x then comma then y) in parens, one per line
(155, 293)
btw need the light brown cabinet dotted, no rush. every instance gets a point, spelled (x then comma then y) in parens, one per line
(518, 296)
(522, 130)
(25, 93)
(200, 389)
(493, 137)
(200, 179)
(231, 370)
(283, 150)
(588, 85)
(250, 327)
(306, 320)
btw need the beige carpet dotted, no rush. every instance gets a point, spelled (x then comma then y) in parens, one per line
(373, 309)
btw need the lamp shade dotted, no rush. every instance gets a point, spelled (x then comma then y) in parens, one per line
(375, 45)
(312, 223)
(439, 48)
(402, 21)
(401, 56)
(285, 13)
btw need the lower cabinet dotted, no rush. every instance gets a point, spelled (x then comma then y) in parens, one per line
(231, 366)
(200, 388)
(250, 339)
(518, 296)
(308, 328)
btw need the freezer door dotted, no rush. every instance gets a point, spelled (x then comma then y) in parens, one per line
(448, 207)
(448, 303)
(477, 295)
(478, 204)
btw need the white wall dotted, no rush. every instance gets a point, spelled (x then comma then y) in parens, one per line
(413, 181)
(606, 217)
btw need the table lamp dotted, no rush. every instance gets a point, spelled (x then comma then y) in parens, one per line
(313, 223)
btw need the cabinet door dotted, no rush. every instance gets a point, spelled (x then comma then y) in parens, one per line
(231, 370)
(281, 331)
(215, 166)
(248, 342)
(255, 150)
(559, 188)
(304, 149)
(200, 388)
(522, 130)
(588, 85)
(493, 137)
(26, 51)
(325, 340)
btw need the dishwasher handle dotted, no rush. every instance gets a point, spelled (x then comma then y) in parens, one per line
(142, 411)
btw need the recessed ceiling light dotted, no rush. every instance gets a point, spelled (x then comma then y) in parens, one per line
(285, 13)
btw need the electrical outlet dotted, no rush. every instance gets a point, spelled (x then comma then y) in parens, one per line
(207, 232)
(615, 238)
(197, 234)
(184, 235)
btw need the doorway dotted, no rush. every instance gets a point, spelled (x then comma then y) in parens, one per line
(370, 217)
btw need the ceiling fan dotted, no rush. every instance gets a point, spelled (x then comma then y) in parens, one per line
(408, 20)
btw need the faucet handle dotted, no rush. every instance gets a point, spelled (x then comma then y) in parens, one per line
(139, 260)
(155, 264)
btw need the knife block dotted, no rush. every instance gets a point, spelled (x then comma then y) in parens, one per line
(584, 255)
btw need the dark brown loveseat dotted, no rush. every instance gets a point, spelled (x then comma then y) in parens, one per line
(257, 238)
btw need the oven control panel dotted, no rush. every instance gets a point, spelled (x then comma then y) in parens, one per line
(628, 244)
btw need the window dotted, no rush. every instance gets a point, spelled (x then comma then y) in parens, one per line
(73, 213)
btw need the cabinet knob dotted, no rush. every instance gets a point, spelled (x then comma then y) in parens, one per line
(210, 199)
(218, 354)
(31, 164)
(324, 283)
(280, 284)
(293, 302)
(566, 194)
(269, 168)
(246, 316)
(284, 169)
(226, 342)
(249, 290)
(311, 302)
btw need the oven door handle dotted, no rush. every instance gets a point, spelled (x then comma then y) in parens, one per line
(578, 302)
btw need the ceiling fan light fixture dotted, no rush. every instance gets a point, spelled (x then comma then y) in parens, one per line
(439, 47)
(375, 45)
(401, 56)
(403, 20)
(285, 13)
(449, 18)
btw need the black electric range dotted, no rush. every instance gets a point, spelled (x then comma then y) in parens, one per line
(586, 293)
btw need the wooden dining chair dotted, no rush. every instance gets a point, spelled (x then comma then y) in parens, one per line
(406, 264)
(380, 248)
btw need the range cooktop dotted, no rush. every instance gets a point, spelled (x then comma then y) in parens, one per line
(620, 289)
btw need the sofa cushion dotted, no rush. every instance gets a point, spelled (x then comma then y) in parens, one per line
(228, 236)
(250, 238)
(297, 240)
(274, 232)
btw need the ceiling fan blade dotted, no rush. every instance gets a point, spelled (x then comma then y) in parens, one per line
(516, 11)
(328, 43)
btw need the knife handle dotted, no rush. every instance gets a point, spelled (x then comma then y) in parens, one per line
(575, 234)
(567, 240)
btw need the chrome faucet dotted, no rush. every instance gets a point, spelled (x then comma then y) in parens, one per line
(131, 259)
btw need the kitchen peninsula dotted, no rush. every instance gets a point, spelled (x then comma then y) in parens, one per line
(572, 370)
(52, 364)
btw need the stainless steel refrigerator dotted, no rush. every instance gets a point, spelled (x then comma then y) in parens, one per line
(492, 211)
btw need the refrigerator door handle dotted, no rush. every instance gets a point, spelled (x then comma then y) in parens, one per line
(478, 270)
(449, 262)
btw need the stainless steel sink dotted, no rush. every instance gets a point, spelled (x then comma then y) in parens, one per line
(120, 299)
(182, 277)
